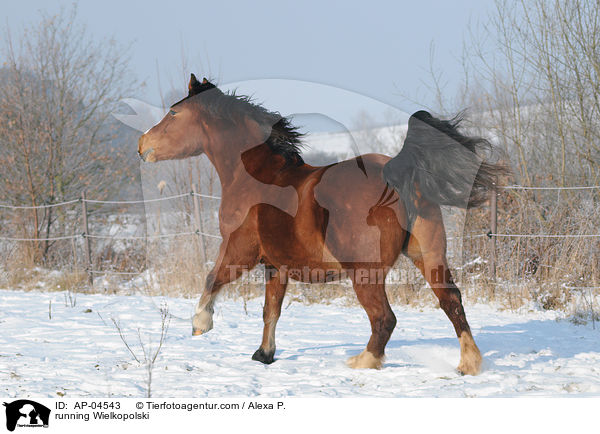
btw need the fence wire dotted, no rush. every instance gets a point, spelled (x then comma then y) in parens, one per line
(50, 205)
(179, 234)
(108, 202)
(522, 187)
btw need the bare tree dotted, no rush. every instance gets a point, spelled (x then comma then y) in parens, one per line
(533, 72)
(58, 88)
(532, 86)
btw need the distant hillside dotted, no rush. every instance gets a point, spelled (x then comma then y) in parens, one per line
(327, 148)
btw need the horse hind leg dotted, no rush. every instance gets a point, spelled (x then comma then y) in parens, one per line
(434, 268)
(373, 299)
(275, 286)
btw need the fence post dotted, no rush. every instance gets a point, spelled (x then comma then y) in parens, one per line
(493, 230)
(199, 225)
(86, 232)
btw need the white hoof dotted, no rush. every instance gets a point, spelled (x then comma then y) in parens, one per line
(202, 323)
(365, 360)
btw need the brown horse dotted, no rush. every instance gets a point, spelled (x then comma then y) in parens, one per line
(314, 224)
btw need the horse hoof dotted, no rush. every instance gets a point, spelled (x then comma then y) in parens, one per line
(261, 356)
(365, 360)
(198, 332)
(470, 364)
(470, 357)
(472, 368)
(201, 323)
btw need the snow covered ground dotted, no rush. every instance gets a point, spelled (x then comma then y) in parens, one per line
(78, 352)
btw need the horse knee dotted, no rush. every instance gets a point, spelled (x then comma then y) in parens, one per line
(270, 318)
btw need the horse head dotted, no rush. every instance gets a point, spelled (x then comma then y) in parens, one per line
(180, 134)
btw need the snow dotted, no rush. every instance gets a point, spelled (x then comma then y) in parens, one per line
(78, 352)
(349, 144)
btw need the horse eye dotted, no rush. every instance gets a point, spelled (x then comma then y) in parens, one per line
(172, 113)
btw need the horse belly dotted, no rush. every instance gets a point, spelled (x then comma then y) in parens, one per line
(366, 220)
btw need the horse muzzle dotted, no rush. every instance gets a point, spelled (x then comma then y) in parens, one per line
(147, 154)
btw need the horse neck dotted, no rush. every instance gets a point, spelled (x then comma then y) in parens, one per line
(262, 163)
(234, 163)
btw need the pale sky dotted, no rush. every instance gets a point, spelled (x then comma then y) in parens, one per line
(377, 49)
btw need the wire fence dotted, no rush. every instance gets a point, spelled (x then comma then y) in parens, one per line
(86, 235)
(522, 187)
(495, 235)
(51, 205)
(109, 202)
(492, 234)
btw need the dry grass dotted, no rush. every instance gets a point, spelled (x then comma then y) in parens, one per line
(531, 273)
(545, 271)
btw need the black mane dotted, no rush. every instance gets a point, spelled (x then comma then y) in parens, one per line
(284, 138)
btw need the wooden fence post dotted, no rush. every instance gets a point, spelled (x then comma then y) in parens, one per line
(86, 232)
(493, 231)
(199, 225)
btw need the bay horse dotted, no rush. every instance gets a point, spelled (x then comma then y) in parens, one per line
(351, 219)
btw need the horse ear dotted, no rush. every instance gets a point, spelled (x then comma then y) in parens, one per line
(195, 87)
(193, 82)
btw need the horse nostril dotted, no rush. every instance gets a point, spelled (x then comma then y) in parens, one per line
(140, 141)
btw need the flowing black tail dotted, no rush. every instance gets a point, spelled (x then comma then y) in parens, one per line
(442, 165)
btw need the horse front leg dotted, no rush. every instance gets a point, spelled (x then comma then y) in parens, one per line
(275, 286)
(238, 254)
(202, 322)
